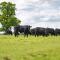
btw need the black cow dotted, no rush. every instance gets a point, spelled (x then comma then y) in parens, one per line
(38, 31)
(50, 31)
(33, 31)
(57, 31)
(22, 29)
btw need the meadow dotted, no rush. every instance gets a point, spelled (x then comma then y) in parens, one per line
(31, 48)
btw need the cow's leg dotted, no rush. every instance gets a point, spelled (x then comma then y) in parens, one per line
(27, 34)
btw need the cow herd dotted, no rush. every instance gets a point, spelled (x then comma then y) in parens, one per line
(37, 31)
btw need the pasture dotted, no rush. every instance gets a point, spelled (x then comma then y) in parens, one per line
(31, 48)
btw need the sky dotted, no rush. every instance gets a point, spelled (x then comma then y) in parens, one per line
(41, 13)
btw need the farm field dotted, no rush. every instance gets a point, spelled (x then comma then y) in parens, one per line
(31, 48)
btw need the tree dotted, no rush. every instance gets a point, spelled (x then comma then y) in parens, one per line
(7, 15)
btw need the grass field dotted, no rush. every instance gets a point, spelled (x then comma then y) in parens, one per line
(31, 48)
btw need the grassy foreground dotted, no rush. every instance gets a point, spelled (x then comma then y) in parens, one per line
(31, 48)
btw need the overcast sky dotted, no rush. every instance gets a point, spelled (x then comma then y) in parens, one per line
(43, 13)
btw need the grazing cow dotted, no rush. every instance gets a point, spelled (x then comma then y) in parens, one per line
(22, 29)
(32, 31)
(38, 31)
(57, 31)
(50, 31)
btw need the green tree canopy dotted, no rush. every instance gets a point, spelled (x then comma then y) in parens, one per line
(7, 15)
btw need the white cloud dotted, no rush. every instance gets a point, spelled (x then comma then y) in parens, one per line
(36, 13)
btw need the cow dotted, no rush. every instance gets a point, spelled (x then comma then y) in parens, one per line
(32, 31)
(22, 29)
(57, 31)
(38, 31)
(50, 31)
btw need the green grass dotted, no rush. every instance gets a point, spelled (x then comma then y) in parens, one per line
(31, 48)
